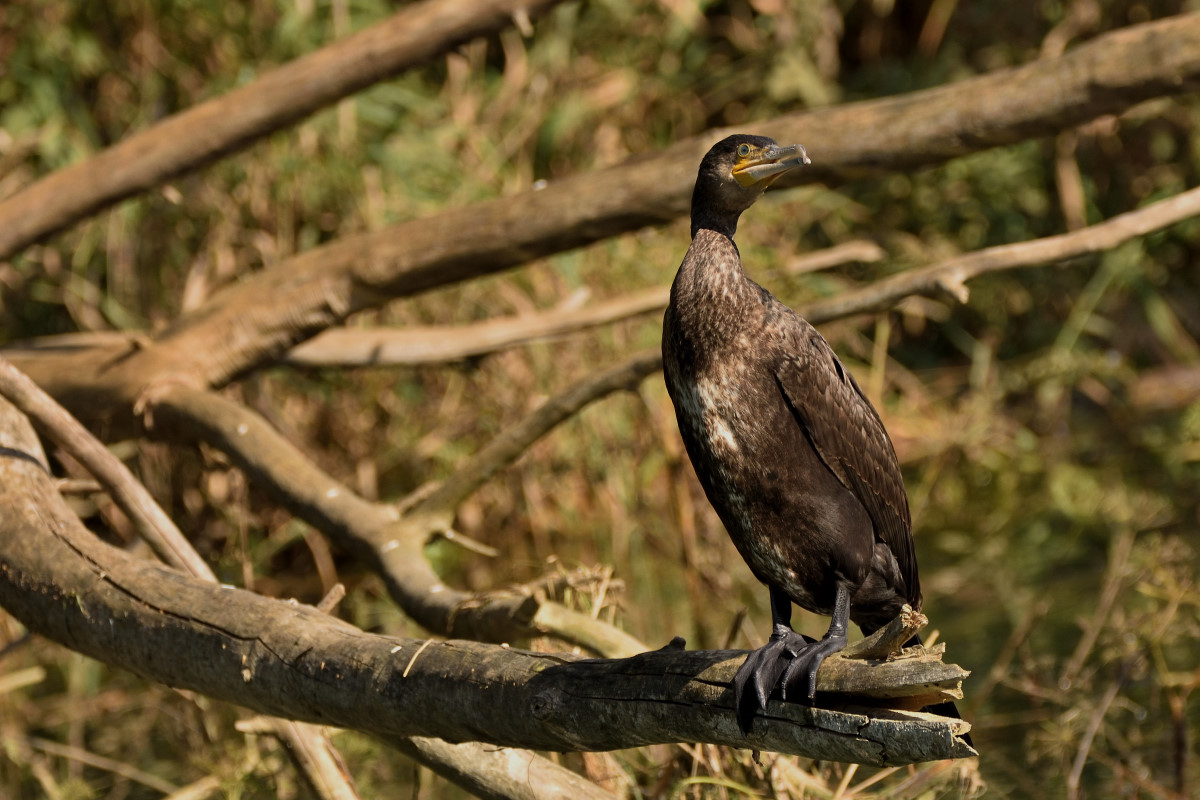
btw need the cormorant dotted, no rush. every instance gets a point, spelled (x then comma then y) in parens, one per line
(790, 453)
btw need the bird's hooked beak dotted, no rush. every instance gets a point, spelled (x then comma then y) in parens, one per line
(760, 167)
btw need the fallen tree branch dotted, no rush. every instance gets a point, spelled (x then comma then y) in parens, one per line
(149, 520)
(509, 445)
(294, 661)
(225, 124)
(438, 344)
(343, 347)
(168, 542)
(235, 331)
(498, 773)
(29, 498)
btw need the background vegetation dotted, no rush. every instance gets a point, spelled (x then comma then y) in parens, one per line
(1056, 518)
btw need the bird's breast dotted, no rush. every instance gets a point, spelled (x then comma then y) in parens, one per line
(777, 501)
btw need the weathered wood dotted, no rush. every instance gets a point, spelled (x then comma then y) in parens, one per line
(293, 661)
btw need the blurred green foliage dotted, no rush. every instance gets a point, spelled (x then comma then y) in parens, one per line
(1057, 522)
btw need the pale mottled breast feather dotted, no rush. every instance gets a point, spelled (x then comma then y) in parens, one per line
(849, 436)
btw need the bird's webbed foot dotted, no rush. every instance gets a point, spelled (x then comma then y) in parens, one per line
(762, 670)
(788, 660)
(801, 672)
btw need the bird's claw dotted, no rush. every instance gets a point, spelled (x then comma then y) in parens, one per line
(805, 664)
(787, 658)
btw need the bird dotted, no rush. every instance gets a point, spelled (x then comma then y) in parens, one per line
(790, 453)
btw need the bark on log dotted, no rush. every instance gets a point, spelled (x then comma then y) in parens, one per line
(294, 661)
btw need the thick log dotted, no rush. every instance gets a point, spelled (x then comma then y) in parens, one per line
(296, 662)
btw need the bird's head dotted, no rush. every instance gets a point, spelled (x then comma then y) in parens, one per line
(735, 173)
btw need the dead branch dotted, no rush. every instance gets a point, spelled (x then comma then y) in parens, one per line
(440, 344)
(200, 135)
(168, 542)
(343, 347)
(508, 446)
(235, 331)
(949, 277)
(861, 250)
(498, 773)
(293, 661)
(388, 541)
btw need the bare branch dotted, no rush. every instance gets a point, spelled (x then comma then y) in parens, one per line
(438, 344)
(508, 446)
(24, 481)
(225, 124)
(862, 250)
(499, 773)
(296, 662)
(444, 343)
(168, 542)
(950, 276)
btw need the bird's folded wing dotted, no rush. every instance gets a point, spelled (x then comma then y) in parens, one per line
(848, 435)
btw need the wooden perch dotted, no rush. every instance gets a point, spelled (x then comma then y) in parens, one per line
(293, 661)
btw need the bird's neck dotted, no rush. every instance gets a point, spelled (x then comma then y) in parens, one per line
(712, 297)
(713, 260)
(723, 224)
(712, 211)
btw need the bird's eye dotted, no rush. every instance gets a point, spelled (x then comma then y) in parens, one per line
(743, 150)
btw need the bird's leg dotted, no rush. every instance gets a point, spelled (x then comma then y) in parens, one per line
(763, 667)
(806, 663)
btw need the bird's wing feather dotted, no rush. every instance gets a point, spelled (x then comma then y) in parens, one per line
(849, 436)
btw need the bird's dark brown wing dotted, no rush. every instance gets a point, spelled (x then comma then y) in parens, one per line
(848, 435)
